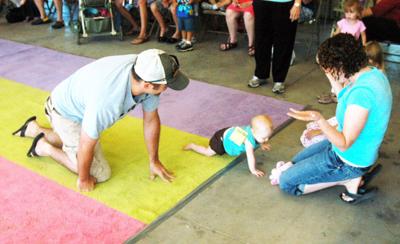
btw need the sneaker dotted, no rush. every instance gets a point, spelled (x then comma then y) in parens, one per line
(208, 6)
(41, 21)
(185, 47)
(255, 82)
(180, 44)
(278, 88)
(58, 25)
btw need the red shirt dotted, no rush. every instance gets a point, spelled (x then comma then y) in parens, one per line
(389, 9)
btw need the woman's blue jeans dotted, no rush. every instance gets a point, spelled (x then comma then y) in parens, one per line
(317, 164)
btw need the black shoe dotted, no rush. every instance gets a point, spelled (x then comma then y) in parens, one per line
(58, 25)
(172, 40)
(185, 47)
(41, 21)
(162, 39)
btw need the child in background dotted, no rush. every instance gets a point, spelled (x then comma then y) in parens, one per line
(185, 13)
(236, 140)
(352, 23)
(375, 55)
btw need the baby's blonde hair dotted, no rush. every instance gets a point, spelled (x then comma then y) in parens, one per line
(261, 120)
(375, 54)
(354, 5)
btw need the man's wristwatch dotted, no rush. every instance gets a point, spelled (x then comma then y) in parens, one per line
(297, 4)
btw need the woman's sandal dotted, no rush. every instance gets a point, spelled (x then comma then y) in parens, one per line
(228, 45)
(22, 129)
(251, 50)
(359, 197)
(368, 177)
(32, 150)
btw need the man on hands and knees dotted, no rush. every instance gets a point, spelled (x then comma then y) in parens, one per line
(93, 99)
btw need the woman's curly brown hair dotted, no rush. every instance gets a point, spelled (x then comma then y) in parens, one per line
(342, 54)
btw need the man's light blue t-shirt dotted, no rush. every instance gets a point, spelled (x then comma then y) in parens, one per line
(231, 148)
(99, 94)
(371, 91)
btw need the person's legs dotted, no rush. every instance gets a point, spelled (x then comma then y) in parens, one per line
(311, 150)
(249, 25)
(40, 6)
(231, 21)
(320, 171)
(263, 38)
(59, 4)
(206, 151)
(143, 19)
(159, 18)
(284, 37)
(119, 4)
(177, 34)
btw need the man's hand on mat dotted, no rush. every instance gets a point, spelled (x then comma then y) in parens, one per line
(157, 169)
(304, 115)
(86, 185)
(265, 146)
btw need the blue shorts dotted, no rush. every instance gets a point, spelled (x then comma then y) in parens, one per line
(317, 164)
(186, 24)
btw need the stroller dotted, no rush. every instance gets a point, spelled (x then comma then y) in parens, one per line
(96, 18)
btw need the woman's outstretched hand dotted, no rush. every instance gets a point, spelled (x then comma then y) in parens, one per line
(304, 115)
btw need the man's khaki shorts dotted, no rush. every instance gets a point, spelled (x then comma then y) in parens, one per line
(69, 133)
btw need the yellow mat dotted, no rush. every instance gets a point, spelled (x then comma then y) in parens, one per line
(129, 190)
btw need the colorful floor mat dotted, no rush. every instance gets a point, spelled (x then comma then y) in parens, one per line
(191, 115)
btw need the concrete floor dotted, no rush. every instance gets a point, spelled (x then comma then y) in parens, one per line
(239, 208)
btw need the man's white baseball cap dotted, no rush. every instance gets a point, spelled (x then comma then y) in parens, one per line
(158, 67)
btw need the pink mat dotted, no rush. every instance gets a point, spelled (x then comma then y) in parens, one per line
(33, 210)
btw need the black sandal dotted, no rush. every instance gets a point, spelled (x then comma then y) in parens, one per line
(228, 45)
(359, 197)
(251, 50)
(32, 150)
(369, 176)
(22, 129)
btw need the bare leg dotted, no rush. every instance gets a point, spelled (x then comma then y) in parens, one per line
(249, 25)
(143, 18)
(159, 18)
(119, 5)
(58, 4)
(351, 186)
(184, 35)
(40, 7)
(206, 151)
(33, 129)
(189, 36)
(45, 149)
(231, 21)
(177, 34)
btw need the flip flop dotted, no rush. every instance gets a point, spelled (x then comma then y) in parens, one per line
(22, 129)
(359, 197)
(32, 150)
(369, 176)
(139, 40)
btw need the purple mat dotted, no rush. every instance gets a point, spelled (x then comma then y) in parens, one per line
(199, 109)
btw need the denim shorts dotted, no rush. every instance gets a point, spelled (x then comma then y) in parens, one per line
(317, 164)
(186, 24)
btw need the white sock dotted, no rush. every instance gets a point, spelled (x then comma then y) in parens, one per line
(188, 42)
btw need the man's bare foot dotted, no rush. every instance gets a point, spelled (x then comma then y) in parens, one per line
(188, 147)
